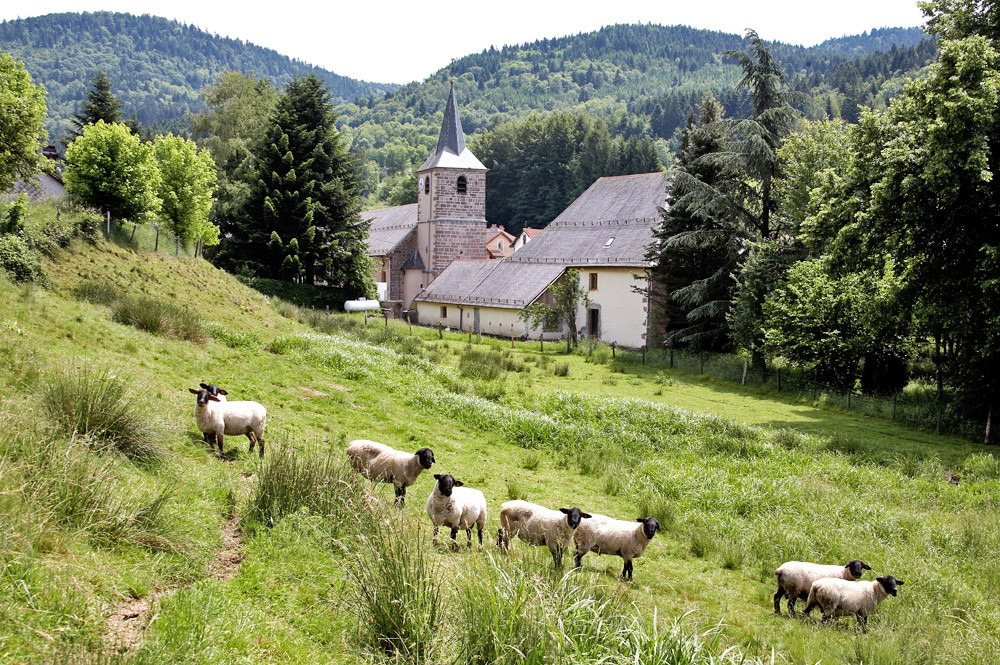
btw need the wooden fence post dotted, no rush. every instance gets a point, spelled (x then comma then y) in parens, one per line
(440, 332)
(512, 335)
(470, 333)
(989, 424)
(743, 382)
(156, 247)
(109, 222)
(541, 342)
(612, 350)
(385, 313)
(409, 321)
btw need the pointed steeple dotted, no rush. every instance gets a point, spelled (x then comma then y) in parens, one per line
(451, 151)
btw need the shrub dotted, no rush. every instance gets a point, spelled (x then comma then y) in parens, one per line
(159, 318)
(561, 369)
(19, 261)
(394, 594)
(289, 481)
(104, 407)
(98, 293)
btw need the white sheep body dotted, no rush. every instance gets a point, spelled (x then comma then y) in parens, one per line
(465, 507)
(838, 597)
(381, 463)
(605, 535)
(221, 418)
(795, 578)
(536, 525)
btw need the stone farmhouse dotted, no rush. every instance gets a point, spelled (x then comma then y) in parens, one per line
(432, 260)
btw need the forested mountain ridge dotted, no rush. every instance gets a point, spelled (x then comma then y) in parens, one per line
(642, 80)
(158, 66)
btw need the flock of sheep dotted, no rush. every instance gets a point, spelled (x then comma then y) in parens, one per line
(837, 590)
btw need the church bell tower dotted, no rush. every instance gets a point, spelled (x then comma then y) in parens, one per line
(451, 199)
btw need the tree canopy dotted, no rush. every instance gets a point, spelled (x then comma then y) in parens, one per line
(187, 183)
(22, 112)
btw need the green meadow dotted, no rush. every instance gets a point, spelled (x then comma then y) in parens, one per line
(109, 498)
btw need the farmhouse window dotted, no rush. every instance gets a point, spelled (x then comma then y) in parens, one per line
(593, 281)
(444, 312)
(463, 184)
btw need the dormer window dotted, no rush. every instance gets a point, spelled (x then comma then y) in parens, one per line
(610, 240)
(462, 185)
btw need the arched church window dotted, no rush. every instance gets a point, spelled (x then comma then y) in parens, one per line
(427, 185)
(463, 185)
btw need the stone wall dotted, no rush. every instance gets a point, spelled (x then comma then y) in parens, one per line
(457, 240)
(447, 203)
(399, 257)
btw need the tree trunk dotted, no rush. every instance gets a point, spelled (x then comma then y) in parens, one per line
(938, 368)
(156, 248)
(758, 362)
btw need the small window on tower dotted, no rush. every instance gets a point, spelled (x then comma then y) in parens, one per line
(462, 184)
(427, 185)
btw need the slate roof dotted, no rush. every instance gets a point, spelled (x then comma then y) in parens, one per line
(50, 186)
(389, 226)
(451, 151)
(625, 208)
(609, 224)
(489, 283)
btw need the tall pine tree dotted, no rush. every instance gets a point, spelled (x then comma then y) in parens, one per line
(694, 253)
(300, 220)
(100, 104)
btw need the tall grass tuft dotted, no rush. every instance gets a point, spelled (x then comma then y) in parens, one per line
(394, 592)
(159, 318)
(99, 293)
(289, 481)
(105, 408)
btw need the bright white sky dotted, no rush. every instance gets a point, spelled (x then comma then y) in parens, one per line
(392, 41)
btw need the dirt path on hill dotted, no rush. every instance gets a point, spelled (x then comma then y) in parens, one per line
(130, 617)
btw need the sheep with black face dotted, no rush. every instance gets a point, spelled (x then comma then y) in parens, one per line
(538, 525)
(796, 577)
(218, 418)
(453, 505)
(605, 535)
(384, 464)
(209, 437)
(837, 597)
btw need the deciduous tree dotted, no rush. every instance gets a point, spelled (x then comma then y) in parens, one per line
(22, 112)
(187, 183)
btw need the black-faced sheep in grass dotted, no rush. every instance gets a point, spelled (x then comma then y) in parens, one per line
(209, 437)
(384, 464)
(796, 577)
(220, 419)
(837, 597)
(453, 505)
(606, 535)
(538, 525)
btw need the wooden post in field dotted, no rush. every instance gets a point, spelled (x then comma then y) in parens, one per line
(409, 321)
(328, 309)
(744, 381)
(894, 407)
(108, 212)
(779, 379)
(135, 225)
(541, 343)
(156, 247)
(470, 333)
(989, 424)
(512, 335)
(366, 317)
(440, 332)
(612, 350)
(590, 345)
(385, 313)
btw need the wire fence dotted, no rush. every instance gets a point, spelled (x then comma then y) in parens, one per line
(916, 406)
(148, 237)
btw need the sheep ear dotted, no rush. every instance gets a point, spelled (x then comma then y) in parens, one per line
(437, 476)
(900, 582)
(214, 398)
(641, 519)
(586, 515)
(203, 385)
(222, 392)
(459, 483)
(194, 391)
(564, 510)
(865, 566)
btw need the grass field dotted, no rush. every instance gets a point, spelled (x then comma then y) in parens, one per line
(740, 480)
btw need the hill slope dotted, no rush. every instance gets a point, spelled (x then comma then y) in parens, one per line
(158, 66)
(237, 560)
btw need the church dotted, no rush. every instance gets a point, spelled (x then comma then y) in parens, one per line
(432, 260)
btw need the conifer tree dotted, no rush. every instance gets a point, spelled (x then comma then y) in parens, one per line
(100, 104)
(301, 220)
(694, 252)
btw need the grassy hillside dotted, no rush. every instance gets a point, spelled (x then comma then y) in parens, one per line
(158, 66)
(179, 556)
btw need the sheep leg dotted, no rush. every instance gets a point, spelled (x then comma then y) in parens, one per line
(627, 571)
(260, 446)
(863, 622)
(468, 534)
(479, 529)
(777, 599)
(434, 539)
(827, 616)
(792, 599)
(401, 496)
(503, 542)
(809, 606)
(253, 440)
(218, 439)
